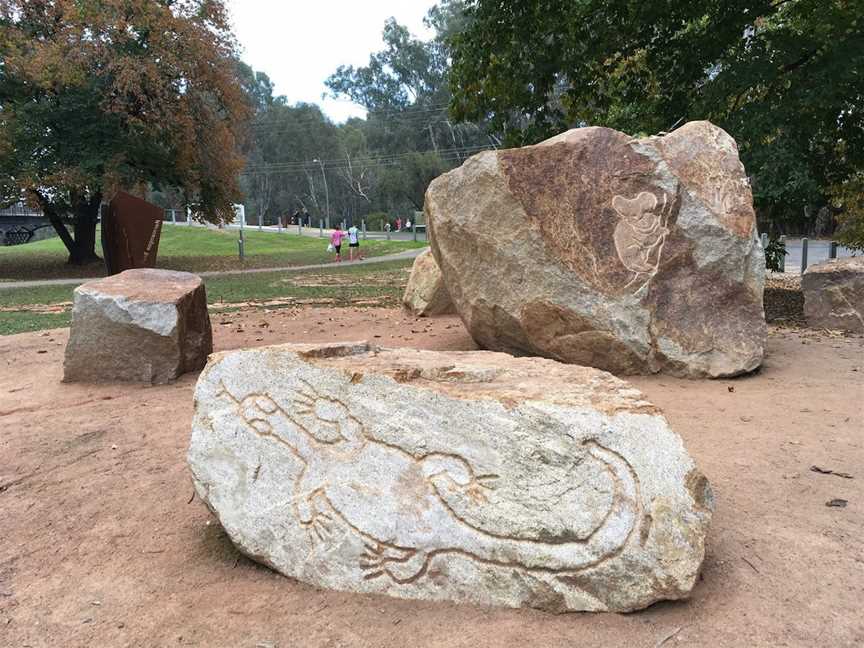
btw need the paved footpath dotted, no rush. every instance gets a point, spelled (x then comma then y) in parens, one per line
(407, 254)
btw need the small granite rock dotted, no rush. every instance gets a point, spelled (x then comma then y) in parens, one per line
(595, 248)
(463, 476)
(426, 295)
(141, 325)
(834, 294)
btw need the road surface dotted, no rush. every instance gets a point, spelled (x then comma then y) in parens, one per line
(817, 251)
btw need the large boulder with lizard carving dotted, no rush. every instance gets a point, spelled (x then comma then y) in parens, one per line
(463, 476)
(595, 248)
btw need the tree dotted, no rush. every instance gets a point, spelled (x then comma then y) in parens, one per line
(97, 96)
(781, 76)
(298, 158)
(848, 200)
(407, 181)
(280, 175)
(408, 136)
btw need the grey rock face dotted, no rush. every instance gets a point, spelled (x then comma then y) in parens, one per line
(462, 476)
(834, 294)
(594, 248)
(141, 325)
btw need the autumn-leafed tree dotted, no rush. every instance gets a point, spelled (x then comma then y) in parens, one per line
(117, 94)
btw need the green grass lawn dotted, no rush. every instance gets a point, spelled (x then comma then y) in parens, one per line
(194, 249)
(35, 309)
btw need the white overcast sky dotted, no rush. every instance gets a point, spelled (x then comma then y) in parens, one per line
(299, 43)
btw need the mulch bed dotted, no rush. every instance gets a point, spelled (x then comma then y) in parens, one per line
(784, 301)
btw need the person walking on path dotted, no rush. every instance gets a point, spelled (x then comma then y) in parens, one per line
(354, 243)
(398, 224)
(336, 242)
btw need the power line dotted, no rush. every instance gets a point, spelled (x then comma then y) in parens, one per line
(368, 158)
(274, 169)
(288, 123)
(359, 159)
(301, 165)
(441, 107)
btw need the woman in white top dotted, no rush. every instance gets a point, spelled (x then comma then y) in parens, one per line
(353, 243)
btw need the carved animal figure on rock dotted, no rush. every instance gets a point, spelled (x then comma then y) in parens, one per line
(414, 496)
(640, 234)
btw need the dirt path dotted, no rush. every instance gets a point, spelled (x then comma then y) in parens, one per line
(101, 546)
(397, 256)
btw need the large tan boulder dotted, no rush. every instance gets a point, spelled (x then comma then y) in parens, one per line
(834, 294)
(141, 325)
(595, 248)
(426, 294)
(470, 477)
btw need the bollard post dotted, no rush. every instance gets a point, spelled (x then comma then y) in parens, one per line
(832, 250)
(783, 262)
(320, 228)
(363, 224)
(803, 254)
(764, 241)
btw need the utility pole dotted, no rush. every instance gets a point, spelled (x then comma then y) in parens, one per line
(326, 190)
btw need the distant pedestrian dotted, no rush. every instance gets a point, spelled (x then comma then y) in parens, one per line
(408, 224)
(336, 242)
(398, 224)
(353, 243)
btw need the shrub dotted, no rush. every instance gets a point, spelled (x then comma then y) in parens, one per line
(775, 254)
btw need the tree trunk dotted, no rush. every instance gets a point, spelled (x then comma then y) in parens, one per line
(84, 226)
(82, 248)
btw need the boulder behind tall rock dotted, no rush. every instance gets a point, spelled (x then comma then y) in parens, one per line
(141, 325)
(470, 477)
(834, 294)
(426, 294)
(595, 248)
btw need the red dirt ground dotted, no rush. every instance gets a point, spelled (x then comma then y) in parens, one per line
(101, 546)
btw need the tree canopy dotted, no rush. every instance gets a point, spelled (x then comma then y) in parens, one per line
(783, 77)
(297, 158)
(97, 96)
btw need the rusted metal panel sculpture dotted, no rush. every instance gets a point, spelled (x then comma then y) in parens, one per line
(130, 233)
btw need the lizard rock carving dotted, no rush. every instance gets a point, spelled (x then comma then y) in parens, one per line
(346, 473)
(640, 234)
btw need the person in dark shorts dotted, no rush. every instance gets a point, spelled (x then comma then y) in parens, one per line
(336, 242)
(353, 243)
